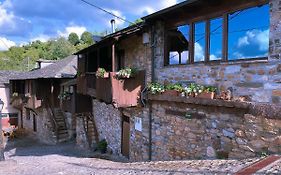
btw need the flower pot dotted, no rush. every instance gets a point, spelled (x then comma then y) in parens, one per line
(171, 92)
(106, 75)
(207, 95)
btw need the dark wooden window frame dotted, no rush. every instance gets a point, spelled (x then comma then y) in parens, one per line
(207, 20)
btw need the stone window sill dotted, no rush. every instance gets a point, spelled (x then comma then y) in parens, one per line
(266, 110)
(200, 101)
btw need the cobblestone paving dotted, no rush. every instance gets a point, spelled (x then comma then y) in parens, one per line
(35, 159)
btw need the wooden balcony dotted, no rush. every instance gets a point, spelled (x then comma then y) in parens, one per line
(86, 84)
(120, 92)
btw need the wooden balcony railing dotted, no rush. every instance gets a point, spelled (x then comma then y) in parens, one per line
(120, 92)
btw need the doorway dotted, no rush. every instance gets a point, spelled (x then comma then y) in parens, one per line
(125, 136)
(34, 122)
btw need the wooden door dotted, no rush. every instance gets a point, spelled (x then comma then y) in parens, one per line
(126, 136)
(34, 123)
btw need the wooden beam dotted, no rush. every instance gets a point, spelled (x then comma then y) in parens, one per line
(225, 38)
(191, 44)
(207, 39)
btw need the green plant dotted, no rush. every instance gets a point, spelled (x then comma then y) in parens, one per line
(178, 87)
(15, 94)
(64, 96)
(169, 87)
(210, 89)
(100, 72)
(155, 88)
(126, 73)
(102, 146)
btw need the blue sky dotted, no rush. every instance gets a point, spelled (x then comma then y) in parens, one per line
(22, 21)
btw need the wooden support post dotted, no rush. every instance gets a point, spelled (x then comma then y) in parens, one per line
(113, 58)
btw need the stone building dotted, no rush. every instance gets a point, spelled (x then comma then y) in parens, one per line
(45, 98)
(232, 45)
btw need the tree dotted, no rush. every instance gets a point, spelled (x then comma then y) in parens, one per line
(87, 38)
(60, 48)
(73, 38)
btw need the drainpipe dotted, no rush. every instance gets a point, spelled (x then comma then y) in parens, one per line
(150, 104)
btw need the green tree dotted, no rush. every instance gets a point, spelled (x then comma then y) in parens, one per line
(60, 48)
(73, 38)
(87, 38)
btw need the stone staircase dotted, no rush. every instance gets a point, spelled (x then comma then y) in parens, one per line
(62, 132)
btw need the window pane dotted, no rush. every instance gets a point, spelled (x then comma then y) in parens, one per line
(178, 45)
(199, 46)
(248, 35)
(216, 39)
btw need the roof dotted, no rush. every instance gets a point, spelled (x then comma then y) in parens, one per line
(64, 68)
(112, 37)
(5, 76)
(169, 9)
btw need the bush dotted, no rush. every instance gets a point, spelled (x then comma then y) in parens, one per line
(102, 146)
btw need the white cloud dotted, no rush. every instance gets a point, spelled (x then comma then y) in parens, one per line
(73, 28)
(256, 37)
(153, 7)
(41, 37)
(199, 52)
(5, 43)
(118, 22)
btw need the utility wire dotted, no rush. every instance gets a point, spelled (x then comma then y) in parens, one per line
(4, 43)
(106, 11)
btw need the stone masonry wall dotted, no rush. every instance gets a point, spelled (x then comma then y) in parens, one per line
(260, 80)
(137, 54)
(211, 132)
(43, 133)
(108, 122)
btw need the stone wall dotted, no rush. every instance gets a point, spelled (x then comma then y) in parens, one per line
(259, 80)
(137, 54)
(43, 125)
(108, 122)
(187, 131)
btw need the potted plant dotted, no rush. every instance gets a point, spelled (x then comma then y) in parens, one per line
(156, 88)
(102, 146)
(101, 73)
(170, 90)
(65, 95)
(208, 92)
(192, 90)
(126, 73)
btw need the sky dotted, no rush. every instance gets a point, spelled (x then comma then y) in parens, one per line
(23, 21)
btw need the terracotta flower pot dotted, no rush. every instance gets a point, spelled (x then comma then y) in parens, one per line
(207, 95)
(106, 75)
(171, 92)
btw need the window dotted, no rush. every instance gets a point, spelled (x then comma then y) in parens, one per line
(216, 39)
(248, 33)
(239, 35)
(177, 45)
(200, 42)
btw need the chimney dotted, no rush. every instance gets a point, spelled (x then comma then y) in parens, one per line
(112, 25)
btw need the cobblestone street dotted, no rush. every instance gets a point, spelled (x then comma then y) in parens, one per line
(31, 158)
